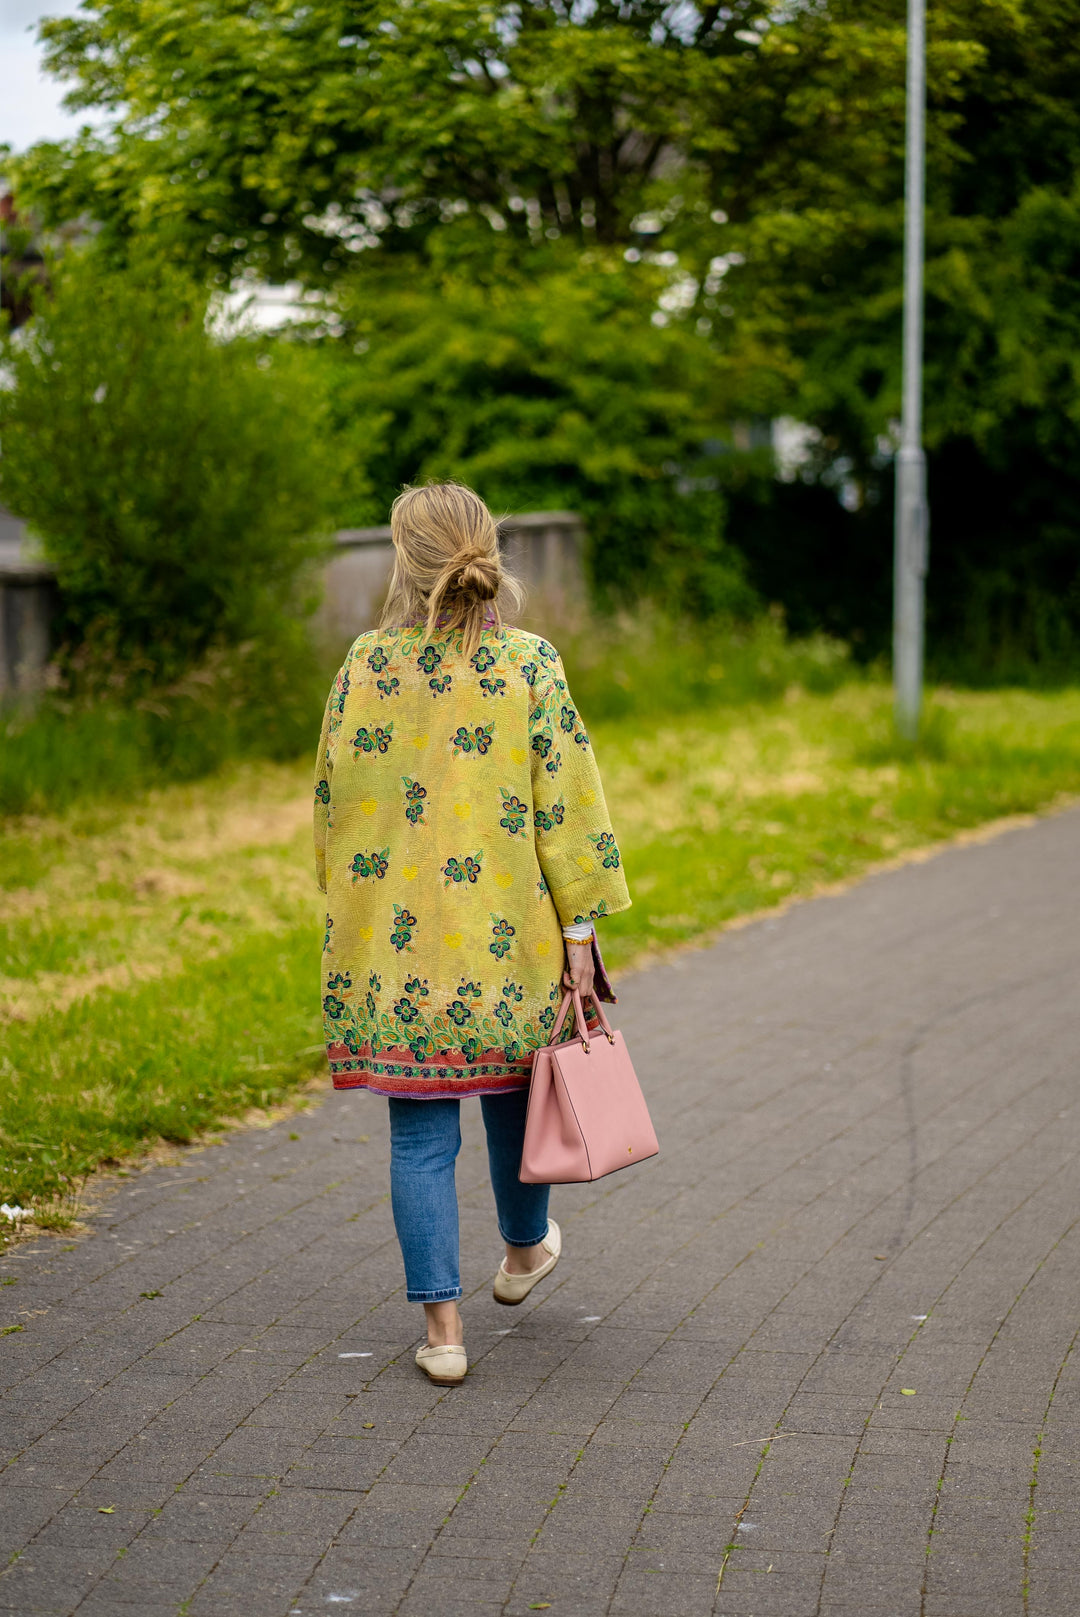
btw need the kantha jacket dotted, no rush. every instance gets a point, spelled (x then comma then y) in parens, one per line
(459, 824)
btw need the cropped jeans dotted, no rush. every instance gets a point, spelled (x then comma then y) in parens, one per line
(425, 1137)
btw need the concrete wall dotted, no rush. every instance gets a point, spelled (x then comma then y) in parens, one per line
(543, 548)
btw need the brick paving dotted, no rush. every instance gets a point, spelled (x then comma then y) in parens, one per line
(869, 1116)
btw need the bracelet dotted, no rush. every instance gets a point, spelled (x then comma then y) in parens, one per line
(578, 943)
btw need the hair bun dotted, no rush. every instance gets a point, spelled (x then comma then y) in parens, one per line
(479, 575)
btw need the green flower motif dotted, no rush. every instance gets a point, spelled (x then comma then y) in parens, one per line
(482, 660)
(542, 819)
(369, 1001)
(415, 986)
(542, 887)
(581, 737)
(414, 800)
(472, 1048)
(333, 1007)
(593, 915)
(553, 765)
(388, 687)
(429, 659)
(504, 1013)
(548, 653)
(340, 979)
(458, 1012)
(502, 932)
(370, 864)
(375, 982)
(547, 1016)
(322, 791)
(341, 691)
(401, 936)
(493, 687)
(513, 991)
(607, 848)
(567, 719)
(406, 1011)
(329, 929)
(512, 1050)
(438, 686)
(514, 812)
(541, 743)
(350, 1041)
(529, 672)
(469, 990)
(459, 870)
(377, 740)
(420, 1044)
(378, 660)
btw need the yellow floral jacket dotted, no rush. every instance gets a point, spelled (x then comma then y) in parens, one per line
(459, 824)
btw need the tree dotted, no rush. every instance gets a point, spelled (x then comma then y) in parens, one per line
(174, 484)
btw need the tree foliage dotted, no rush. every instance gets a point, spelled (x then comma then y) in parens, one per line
(751, 157)
(169, 479)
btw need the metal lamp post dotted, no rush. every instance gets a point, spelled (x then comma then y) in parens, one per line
(912, 514)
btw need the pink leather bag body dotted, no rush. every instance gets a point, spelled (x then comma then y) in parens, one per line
(587, 1116)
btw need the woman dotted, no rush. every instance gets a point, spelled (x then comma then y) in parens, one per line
(463, 842)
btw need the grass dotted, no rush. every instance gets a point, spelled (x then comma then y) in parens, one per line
(159, 959)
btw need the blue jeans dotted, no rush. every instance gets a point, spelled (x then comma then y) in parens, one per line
(425, 1137)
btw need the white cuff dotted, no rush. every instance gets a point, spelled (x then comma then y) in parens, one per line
(580, 932)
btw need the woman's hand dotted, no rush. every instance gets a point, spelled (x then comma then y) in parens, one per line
(580, 968)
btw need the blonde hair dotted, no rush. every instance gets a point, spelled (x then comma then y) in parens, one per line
(447, 569)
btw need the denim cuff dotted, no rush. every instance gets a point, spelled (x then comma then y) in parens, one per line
(448, 1294)
(535, 1241)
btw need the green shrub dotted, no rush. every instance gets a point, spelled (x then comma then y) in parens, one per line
(174, 478)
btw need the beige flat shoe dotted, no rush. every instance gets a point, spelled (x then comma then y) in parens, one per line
(445, 1366)
(513, 1289)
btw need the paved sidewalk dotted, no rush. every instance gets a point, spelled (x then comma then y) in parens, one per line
(824, 1344)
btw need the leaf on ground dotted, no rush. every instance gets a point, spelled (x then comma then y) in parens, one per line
(106, 1510)
(908, 1392)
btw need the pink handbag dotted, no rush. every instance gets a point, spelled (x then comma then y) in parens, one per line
(587, 1115)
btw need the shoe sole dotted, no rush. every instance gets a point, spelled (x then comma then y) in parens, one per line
(445, 1381)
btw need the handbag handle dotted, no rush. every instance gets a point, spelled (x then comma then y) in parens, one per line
(573, 997)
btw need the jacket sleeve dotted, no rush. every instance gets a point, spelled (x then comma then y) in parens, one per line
(575, 843)
(324, 770)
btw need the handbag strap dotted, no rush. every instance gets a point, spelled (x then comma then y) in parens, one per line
(573, 997)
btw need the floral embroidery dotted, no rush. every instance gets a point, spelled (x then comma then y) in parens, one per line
(378, 660)
(529, 672)
(504, 1013)
(401, 936)
(593, 915)
(372, 740)
(547, 1016)
(415, 986)
(406, 1011)
(370, 864)
(463, 870)
(438, 686)
(512, 991)
(548, 653)
(553, 765)
(493, 687)
(339, 979)
(482, 660)
(334, 1007)
(502, 932)
(329, 929)
(375, 982)
(388, 687)
(459, 1013)
(514, 812)
(341, 691)
(429, 659)
(471, 1048)
(548, 819)
(322, 791)
(414, 800)
(469, 990)
(581, 737)
(476, 740)
(541, 743)
(606, 846)
(567, 719)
